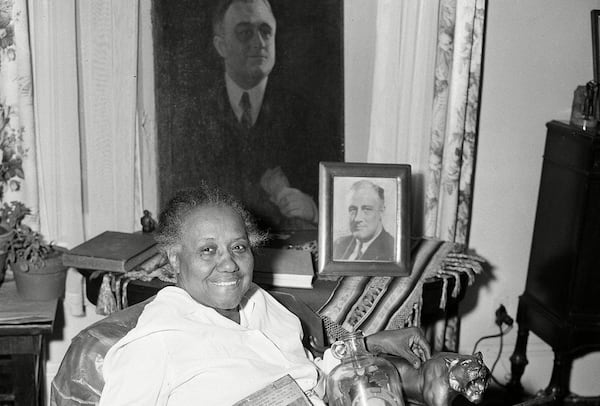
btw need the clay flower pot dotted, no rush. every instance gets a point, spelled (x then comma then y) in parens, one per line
(47, 283)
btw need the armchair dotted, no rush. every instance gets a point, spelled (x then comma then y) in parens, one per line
(79, 380)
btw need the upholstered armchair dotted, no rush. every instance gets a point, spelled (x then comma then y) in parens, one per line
(79, 380)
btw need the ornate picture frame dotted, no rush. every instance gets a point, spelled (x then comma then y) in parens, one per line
(364, 219)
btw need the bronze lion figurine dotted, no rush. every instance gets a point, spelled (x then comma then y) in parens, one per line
(443, 377)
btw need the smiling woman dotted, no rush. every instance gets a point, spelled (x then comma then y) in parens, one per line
(216, 337)
(205, 328)
(213, 261)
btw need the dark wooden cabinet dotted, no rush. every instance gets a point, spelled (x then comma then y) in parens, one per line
(561, 302)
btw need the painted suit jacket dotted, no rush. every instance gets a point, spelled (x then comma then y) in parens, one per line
(381, 249)
(287, 133)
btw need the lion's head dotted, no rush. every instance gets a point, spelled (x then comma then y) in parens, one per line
(468, 375)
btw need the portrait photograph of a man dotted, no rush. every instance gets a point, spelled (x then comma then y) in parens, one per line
(250, 99)
(364, 219)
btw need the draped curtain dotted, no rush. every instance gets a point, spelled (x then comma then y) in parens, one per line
(425, 112)
(455, 115)
(403, 90)
(18, 175)
(90, 140)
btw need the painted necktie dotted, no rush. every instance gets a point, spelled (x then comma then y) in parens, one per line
(358, 253)
(246, 119)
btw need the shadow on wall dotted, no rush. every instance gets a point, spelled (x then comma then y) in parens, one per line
(471, 299)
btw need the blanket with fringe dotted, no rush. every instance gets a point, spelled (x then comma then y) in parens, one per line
(367, 303)
(377, 303)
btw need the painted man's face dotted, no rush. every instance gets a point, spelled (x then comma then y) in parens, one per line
(364, 210)
(246, 42)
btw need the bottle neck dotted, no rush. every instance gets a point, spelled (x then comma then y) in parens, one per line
(351, 345)
(356, 343)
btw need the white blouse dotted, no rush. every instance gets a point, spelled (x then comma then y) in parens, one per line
(185, 353)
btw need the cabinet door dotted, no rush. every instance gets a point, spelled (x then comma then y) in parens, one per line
(586, 297)
(554, 247)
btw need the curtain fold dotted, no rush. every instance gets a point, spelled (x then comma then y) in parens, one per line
(18, 174)
(108, 56)
(455, 115)
(425, 109)
(403, 90)
(453, 135)
(88, 160)
(53, 43)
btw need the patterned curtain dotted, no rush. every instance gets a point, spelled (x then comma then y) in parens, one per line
(454, 124)
(448, 193)
(18, 174)
(425, 110)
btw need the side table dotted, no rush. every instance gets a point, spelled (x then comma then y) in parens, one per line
(24, 326)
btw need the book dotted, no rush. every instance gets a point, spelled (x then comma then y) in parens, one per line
(283, 267)
(112, 251)
(283, 392)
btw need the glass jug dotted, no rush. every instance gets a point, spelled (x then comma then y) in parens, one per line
(362, 378)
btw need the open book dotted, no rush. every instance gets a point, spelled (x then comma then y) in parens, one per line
(283, 392)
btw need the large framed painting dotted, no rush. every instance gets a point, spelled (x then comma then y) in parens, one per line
(364, 219)
(595, 14)
(286, 55)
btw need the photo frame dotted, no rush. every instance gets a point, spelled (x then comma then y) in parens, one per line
(364, 223)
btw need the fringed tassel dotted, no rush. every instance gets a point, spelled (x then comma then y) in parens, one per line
(107, 303)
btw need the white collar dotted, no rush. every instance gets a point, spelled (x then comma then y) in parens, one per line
(366, 244)
(235, 92)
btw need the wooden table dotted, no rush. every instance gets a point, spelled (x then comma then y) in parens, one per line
(23, 328)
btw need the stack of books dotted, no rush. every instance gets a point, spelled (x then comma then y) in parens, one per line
(283, 267)
(112, 251)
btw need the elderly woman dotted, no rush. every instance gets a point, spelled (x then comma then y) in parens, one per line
(216, 337)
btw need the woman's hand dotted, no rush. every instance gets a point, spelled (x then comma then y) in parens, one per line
(408, 343)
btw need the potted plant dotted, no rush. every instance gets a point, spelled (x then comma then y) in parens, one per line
(37, 265)
(9, 216)
(12, 152)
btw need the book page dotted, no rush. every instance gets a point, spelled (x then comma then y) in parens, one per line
(283, 392)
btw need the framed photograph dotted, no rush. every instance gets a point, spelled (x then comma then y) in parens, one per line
(295, 104)
(364, 224)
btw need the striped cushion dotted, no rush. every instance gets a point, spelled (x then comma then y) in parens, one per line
(376, 303)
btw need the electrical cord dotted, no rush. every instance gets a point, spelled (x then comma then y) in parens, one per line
(501, 336)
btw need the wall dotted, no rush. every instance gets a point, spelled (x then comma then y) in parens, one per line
(359, 56)
(536, 53)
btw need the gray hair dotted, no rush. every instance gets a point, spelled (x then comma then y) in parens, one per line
(367, 184)
(175, 214)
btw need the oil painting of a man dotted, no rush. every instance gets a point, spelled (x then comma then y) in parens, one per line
(251, 129)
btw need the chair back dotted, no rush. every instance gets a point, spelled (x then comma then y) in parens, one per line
(79, 379)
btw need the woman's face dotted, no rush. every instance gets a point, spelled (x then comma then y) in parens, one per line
(214, 262)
